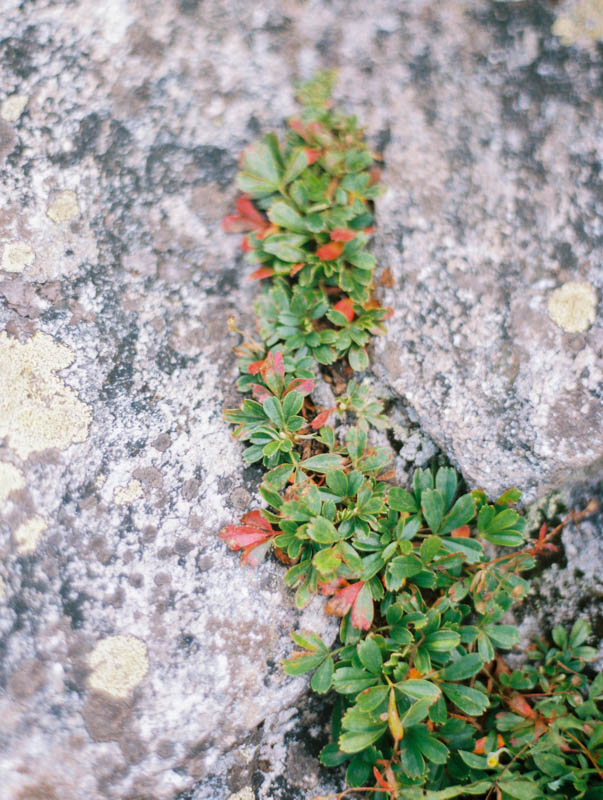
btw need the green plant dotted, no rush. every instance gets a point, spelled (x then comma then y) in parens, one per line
(427, 708)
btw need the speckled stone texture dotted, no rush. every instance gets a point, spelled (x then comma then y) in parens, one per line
(138, 659)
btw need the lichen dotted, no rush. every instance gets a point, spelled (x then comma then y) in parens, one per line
(37, 410)
(573, 306)
(124, 495)
(12, 108)
(11, 479)
(16, 256)
(243, 794)
(118, 664)
(583, 22)
(28, 535)
(64, 207)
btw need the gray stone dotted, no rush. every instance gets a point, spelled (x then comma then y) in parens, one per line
(138, 658)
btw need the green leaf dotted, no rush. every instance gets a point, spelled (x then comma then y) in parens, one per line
(273, 409)
(372, 698)
(442, 641)
(463, 668)
(355, 741)
(300, 663)
(351, 680)
(281, 214)
(331, 755)
(296, 164)
(433, 750)
(417, 712)
(580, 632)
(400, 568)
(323, 677)
(471, 549)
(399, 500)
(432, 505)
(278, 477)
(310, 641)
(446, 481)
(370, 656)
(418, 688)
(461, 513)
(322, 463)
(509, 497)
(520, 788)
(470, 701)
(358, 358)
(292, 403)
(322, 530)
(473, 760)
(286, 246)
(337, 482)
(429, 548)
(261, 171)
(326, 561)
(503, 636)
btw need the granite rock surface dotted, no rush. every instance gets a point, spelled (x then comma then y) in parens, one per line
(137, 658)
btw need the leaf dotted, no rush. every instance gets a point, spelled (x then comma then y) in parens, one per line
(400, 568)
(470, 701)
(433, 750)
(322, 530)
(337, 482)
(417, 712)
(463, 668)
(279, 476)
(331, 755)
(351, 680)
(471, 549)
(442, 641)
(462, 512)
(370, 656)
(326, 562)
(358, 358)
(286, 246)
(400, 500)
(260, 171)
(503, 636)
(432, 505)
(446, 481)
(322, 463)
(355, 741)
(429, 548)
(310, 641)
(330, 251)
(580, 632)
(296, 164)
(300, 663)
(281, 214)
(472, 760)
(370, 699)
(418, 688)
(323, 677)
(520, 788)
(362, 609)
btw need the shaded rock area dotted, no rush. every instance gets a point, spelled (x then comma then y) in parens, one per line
(137, 658)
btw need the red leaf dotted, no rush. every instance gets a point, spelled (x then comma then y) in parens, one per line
(342, 600)
(296, 268)
(273, 363)
(260, 393)
(233, 223)
(479, 745)
(239, 536)
(254, 555)
(302, 385)
(342, 235)
(362, 610)
(464, 532)
(382, 782)
(321, 418)
(369, 230)
(255, 367)
(312, 155)
(254, 536)
(331, 587)
(246, 209)
(297, 125)
(257, 518)
(246, 245)
(520, 705)
(331, 251)
(262, 272)
(345, 307)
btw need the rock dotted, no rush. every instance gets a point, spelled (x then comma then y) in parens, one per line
(139, 659)
(490, 232)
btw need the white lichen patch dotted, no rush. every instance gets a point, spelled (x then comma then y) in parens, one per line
(16, 256)
(37, 410)
(582, 22)
(124, 495)
(11, 479)
(118, 664)
(2, 588)
(28, 535)
(12, 108)
(64, 207)
(573, 306)
(243, 794)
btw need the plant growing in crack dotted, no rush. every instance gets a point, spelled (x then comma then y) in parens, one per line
(427, 708)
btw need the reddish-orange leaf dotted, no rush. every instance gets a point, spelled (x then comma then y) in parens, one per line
(255, 367)
(342, 235)
(260, 393)
(268, 231)
(257, 518)
(262, 272)
(312, 155)
(320, 419)
(479, 745)
(330, 587)
(342, 600)
(233, 223)
(464, 532)
(500, 741)
(331, 251)
(297, 125)
(296, 268)
(520, 705)
(363, 609)
(345, 307)
(246, 245)
(374, 175)
(273, 363)
(302, 385)
(414, 673)
(382, 782)
(369, 230)
(246, 209)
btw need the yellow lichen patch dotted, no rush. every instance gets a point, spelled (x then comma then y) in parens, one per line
(37, 410)
(127, 494)
(583, 22)
(12, 108)
(243, 794)
(28, 535)
(118, 664)
(16, 256)
(64, 207)
(11, 479)
(573, 306)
